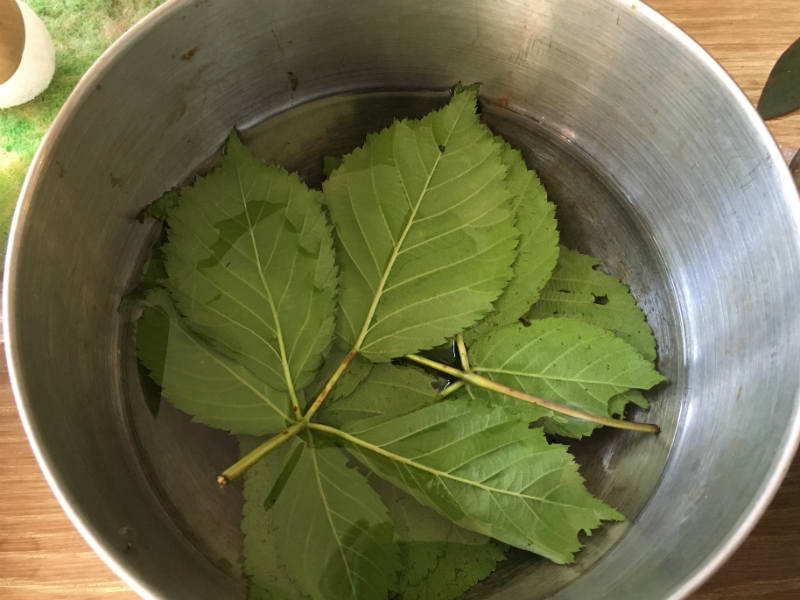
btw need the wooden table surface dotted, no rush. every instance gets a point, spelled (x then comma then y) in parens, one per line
(43, 557)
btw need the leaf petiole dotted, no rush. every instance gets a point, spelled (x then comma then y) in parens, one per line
(462, 353)
(464, 357)
(453, 387)
(486, 383)
(237, 469)
(329, 385)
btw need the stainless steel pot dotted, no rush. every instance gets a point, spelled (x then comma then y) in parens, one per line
(656, 159)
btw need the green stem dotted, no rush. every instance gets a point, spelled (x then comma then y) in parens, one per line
(248, 460)
(462, 353)
(239, 467)
(453, 387)
(484, 382)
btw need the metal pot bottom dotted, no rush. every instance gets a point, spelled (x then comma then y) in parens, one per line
(595, 215)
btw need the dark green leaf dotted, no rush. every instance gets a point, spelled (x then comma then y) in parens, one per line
(161, 208)
(579, 291)
(332, 531)
(781, 93)
(330, 164)
(262, 561)
(440, 560)
(424, 229)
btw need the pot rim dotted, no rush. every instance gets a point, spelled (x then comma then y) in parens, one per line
(786, 451)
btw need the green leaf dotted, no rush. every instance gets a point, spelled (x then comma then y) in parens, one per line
(213, 389)
(332, 532)
(781, 93)
(617, 404)
(486, 471)
(440, 560)
(251, 265)
(562, 360)
(330, 164)
(161, 208)
(579, 291)
(424, 231)
(153, 277)
(537, 252)
(388, 391)
(262, 561)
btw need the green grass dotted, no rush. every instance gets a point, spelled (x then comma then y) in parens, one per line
(81, 31)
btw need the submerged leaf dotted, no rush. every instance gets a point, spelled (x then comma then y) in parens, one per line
(486, 471)
(440, 560)
(577, 290)
(198, 380)
(262, 561)
(781, 93)
(538, 245)
(251, 265)
(333, 534)
(161, 208)
(330, 164)
(562, 360)
(424, 231)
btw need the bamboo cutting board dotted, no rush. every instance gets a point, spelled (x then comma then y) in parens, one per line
(42, 557)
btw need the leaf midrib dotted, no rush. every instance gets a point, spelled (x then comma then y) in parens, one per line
(328, 510)
(398, 245)
(532, 375)
(273, 309)
(435, 472)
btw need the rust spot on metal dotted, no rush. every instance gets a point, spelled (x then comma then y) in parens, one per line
(189, 54)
